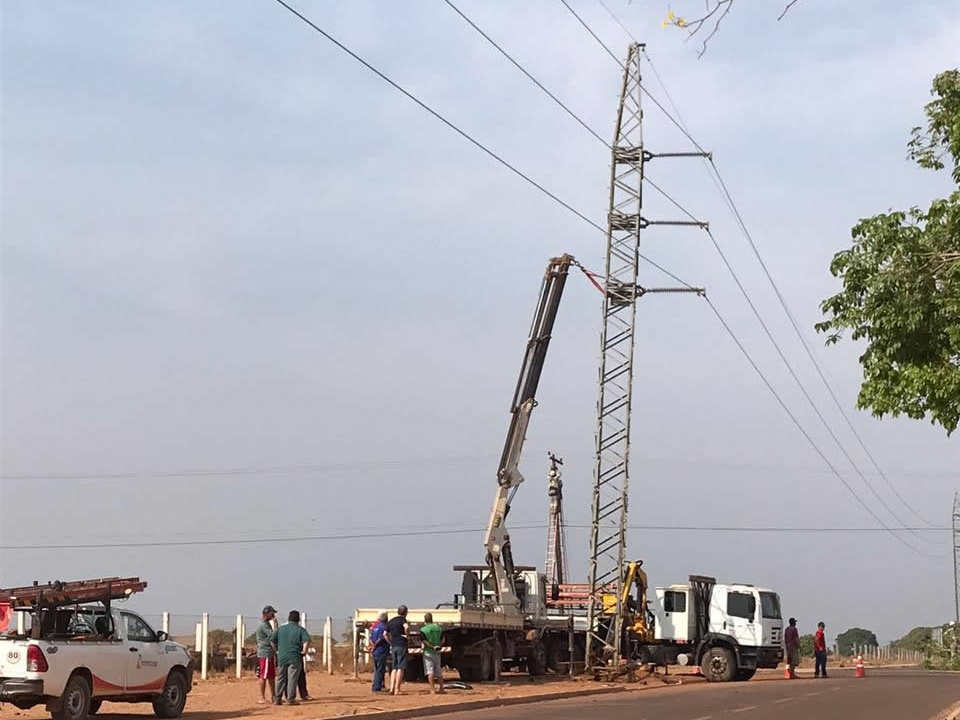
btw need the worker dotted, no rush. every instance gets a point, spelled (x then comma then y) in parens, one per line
(791, 642)
(396, 635)
(290, 643)
(431, 636)
(379, 649)
(266, 658)
(302, 680)
(820, 651)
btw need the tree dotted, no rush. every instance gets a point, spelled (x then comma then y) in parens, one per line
(917, 639)
(806, 645)
(855, 637)
(714, 14)
(901, 286)
(220, 640)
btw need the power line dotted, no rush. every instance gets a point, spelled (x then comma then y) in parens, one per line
(735, 277)
(729, 199)
(721, 185)
(453, 531)
(459, 131)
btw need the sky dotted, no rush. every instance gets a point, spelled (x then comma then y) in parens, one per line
(251, 291)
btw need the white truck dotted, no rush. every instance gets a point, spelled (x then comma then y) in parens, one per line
(79, 651)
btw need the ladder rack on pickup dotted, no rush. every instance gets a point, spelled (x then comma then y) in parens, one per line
(71, 593)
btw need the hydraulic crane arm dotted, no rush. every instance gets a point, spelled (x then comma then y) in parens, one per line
(497, 539)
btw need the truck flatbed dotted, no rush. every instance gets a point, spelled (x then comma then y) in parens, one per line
(449, 618)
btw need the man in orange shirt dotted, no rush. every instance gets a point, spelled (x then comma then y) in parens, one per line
(820, 651)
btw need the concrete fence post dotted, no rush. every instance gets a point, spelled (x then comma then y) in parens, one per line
(204, 639)
(165, 622)
(239, 646)
(328, 644)
(198, 641)
(303, 621)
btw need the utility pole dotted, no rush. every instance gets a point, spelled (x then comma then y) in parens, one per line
(625, 220)
(956, 574)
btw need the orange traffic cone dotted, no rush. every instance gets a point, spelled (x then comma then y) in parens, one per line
(787, 675)
(860, 672)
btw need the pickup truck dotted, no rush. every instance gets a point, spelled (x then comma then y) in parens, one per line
(83, 655)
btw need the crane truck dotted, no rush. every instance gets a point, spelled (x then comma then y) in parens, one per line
(509, 617)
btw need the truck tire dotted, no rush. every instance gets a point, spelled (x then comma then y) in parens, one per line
(95, 706)
(718, 665)
(537, 659)
(75, 701)
(553, 654)
(744, 675)
(170, 703)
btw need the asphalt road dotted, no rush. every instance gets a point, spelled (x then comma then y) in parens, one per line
(883, 695)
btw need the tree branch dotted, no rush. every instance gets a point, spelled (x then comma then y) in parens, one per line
(716, 11)
(787, 9)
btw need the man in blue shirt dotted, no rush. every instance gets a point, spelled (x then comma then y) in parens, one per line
(379, 648)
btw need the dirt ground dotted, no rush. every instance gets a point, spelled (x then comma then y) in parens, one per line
(222, 698)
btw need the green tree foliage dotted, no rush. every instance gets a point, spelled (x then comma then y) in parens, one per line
(806, 645)
(901, 285)
(917, 639)
(846, 641)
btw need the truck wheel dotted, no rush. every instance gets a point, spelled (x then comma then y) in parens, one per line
(553, 655)
(170, 703)
(718, 665)
(75, 701)
(744, 675)
(537, 660)
(95, 706)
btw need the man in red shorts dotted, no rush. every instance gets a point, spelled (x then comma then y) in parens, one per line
(266, 659)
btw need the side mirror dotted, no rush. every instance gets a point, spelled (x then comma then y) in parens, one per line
(162, 636)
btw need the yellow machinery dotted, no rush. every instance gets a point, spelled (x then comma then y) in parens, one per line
(633, 602)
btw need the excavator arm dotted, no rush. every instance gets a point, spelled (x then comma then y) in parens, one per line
(497, 539)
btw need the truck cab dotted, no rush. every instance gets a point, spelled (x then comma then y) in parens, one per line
(740, 631)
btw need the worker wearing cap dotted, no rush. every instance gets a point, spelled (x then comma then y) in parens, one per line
(266, 658)
(791, 642)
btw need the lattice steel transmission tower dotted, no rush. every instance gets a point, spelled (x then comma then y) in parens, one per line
(611, 470)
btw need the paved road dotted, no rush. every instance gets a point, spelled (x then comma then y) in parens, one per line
(882, 695)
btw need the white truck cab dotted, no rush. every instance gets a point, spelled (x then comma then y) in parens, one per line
(729, 630)
(74, 657)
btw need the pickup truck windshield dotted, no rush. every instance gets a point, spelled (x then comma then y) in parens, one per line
(770, 605)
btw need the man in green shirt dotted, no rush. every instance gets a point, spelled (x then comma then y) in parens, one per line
(431, 637)
(290, 642)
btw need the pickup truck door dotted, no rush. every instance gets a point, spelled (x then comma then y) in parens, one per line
(146, 662)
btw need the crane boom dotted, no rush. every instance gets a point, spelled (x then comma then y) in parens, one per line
(497, 539)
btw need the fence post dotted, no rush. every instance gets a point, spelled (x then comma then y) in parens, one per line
(198, 641)
(356, 667)
(165, 622)
(239, 646)
(204, 635)
(328, 644)
(303, 621)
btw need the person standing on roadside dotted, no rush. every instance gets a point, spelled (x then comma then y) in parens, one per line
(396, 635)
(379, 649)
(431, 636)
(290, 643)
(820, 651)
(302, 680)
(791, 643)
(266, 657)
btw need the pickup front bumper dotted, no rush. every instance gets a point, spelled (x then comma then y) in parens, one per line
(21, 693)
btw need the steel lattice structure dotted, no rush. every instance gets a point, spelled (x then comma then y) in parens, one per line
(611, 475)
(625, 220)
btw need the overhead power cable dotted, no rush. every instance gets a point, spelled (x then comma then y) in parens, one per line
(574, 211)
(739, 285)
(462, 133)
(721, 185)
(270, 540)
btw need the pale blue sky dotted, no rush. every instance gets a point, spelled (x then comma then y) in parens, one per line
(227, 245)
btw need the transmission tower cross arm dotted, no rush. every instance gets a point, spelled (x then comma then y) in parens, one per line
(509, 478)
